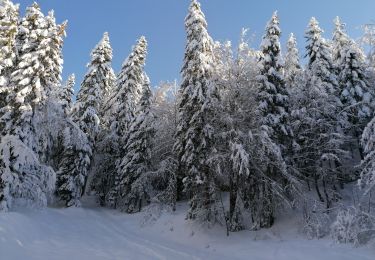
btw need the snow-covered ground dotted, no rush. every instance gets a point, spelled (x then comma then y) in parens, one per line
(96, 233)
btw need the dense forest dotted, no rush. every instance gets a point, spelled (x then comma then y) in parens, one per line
(247, 134)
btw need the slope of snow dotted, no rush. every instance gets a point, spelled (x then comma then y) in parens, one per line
(95, 233)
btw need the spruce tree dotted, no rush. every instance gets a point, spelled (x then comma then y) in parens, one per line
(195, 135)
(132, 194)
(273, 96)
(8, 22)
(71, 151)
(22, 173)
(319, 59)
(367, 177)
(272, 99)
(54, 44)
(38, 73)
(292, 67)
(119, 111)
(120, 108)
(339, 40)
(65, 95)
(356, 94)
(317, 119)
(73, 164)
(96, 85)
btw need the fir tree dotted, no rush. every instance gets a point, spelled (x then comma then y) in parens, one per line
(120, 108)
(272, 99)
(356, 94)
(22, 175)
(8, 23)
(356, 91)
(292, 67)
(273, 96)
(317, 119)
(367, 178)
(119, 113)
(54, 44)
(96, 85)
(319, 59)
(37, 72)
(195, 135)
(65, 95)
(132, 194)
(339, 40)
(73, 164)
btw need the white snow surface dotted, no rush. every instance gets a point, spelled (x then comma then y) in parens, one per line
(97, 233)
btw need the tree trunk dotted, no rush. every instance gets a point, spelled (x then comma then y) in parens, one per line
(232, 195)
(317, 187)
(328, 202)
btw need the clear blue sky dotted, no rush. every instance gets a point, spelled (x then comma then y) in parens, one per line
(162, 22)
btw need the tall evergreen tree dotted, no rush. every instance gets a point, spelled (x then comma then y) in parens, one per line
(37, 72)
(317, 119)
(367, 178)
(339, 40)
(96, 85)
(356, 94)
(132, 194)
(8, 22)
(272, 99)
(273, 96)
(121, 106)
(65, 94)
(73, 164)
(120, 111)
(72, 151)
(195, 135)
(319, 59)
(292, 67)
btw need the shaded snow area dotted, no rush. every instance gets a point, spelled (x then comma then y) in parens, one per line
(95, 233)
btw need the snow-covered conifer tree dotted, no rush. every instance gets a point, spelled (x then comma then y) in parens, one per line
(119, 112)
(65, 94)
(355, 89)
(356, 94)
(96, 85)
(8, 23)
(73, 164)
(23, 175)
(317, 119)
(292, 67)
(320, 62)
(38, 73)
(120, 108)
(367, 179)
(272, 99)
(273, 96)
(339, 40)
(195, 135)
(132, 193)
